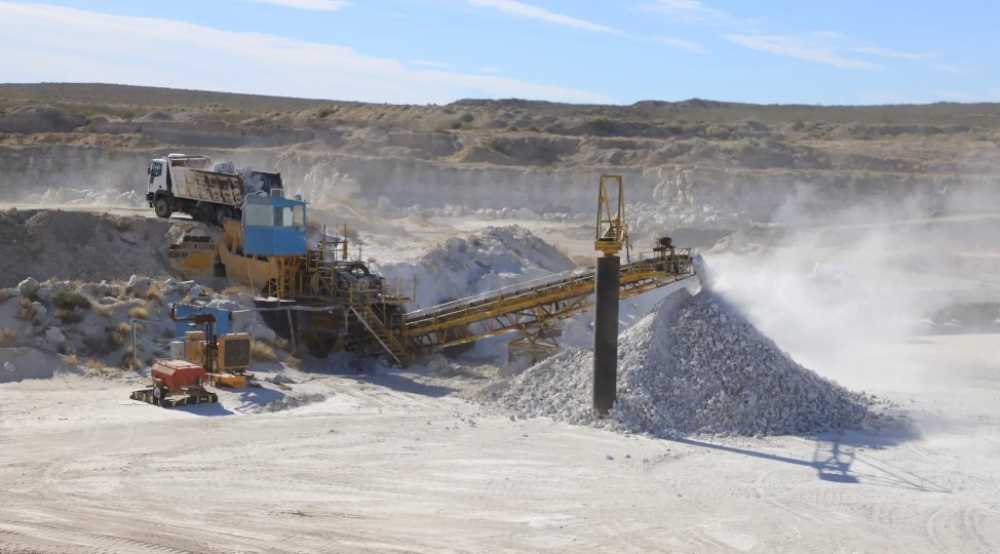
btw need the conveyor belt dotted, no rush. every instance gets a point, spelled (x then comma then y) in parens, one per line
(527, 306)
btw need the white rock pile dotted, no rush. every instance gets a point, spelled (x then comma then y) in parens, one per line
(483, 261)
(694, 366)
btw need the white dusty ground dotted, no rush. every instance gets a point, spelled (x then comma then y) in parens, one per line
(399, 461)
(392, 463)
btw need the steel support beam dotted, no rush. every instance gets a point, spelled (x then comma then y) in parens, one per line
(606, 335)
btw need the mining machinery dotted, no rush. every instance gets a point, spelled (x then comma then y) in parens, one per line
(316, 297)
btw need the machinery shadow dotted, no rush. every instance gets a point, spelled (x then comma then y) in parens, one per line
(364, 370)
(250, 400)
(206, 410)
(401, 382)
(836, 459)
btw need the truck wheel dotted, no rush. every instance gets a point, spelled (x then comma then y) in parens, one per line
(162, 207)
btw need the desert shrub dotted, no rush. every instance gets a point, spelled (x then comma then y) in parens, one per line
(8, 337)
(104, 311)
(71, 360)
(7, 294)
(129, 361)
(467, 118)
(119, 335)
(68, 317)
(154, 294)
(96, 368)
(70, 300)
(139, 312)
(261, 351)
(26, 311)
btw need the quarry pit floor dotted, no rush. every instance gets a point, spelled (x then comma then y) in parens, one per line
(401, 461)
(396, 461)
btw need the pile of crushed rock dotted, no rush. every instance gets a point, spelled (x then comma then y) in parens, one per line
(483, 261)
(694, 366)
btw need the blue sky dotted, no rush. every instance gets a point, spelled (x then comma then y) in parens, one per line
(423, 51)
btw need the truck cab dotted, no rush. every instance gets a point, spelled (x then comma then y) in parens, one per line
(196, 186)
(159, 171)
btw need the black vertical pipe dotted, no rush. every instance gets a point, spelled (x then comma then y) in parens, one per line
(606, 335)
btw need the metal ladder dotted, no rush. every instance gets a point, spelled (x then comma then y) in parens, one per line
(389, 342)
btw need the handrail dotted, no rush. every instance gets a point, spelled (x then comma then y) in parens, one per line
(518, 287)
(533, 286)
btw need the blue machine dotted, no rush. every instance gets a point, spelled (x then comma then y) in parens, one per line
(223, 319)
(274, 226)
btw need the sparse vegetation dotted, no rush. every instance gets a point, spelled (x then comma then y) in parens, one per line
(154, 295)
(138, 312)
(70, 300)
(68, 317)
(26, 311)
(96, 368)
(119, 335)
(128, 360)
(8, 337)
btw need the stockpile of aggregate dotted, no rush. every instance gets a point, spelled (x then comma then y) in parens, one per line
(693, 366)
(483, 261)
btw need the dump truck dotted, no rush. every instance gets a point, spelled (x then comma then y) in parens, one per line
(175, 383)
(207, 191)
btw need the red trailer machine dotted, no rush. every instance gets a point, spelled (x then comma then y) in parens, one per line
(176, 383)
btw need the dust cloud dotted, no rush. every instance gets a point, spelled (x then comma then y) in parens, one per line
(846, 295)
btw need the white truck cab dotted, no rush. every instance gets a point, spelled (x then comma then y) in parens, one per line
(194, 185)
(160, 173)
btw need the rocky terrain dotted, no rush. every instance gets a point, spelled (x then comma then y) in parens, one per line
(694, 163)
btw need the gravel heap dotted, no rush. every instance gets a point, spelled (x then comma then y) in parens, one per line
(487, 260)
(694, 366)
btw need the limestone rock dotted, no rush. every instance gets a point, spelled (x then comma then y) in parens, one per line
(28, 287)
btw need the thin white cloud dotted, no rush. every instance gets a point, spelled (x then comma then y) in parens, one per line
(70, 45)
(682, 44)
(800, 48)
(948, 68)
(310, 5)
(893, 54)
(694, 11)
(529, 11)
(431, 64)
(826, 47)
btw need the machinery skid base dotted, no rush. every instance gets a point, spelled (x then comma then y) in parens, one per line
(174, 400)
